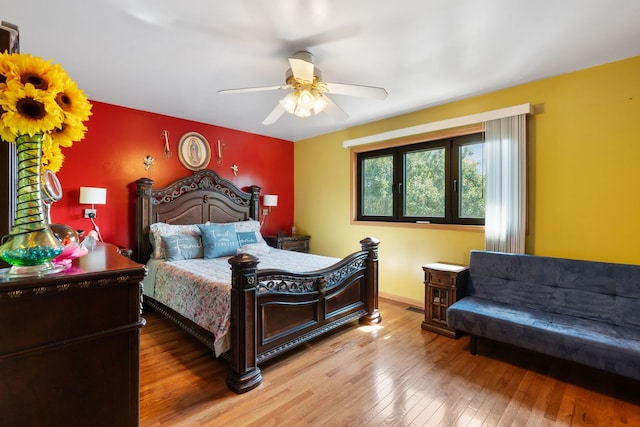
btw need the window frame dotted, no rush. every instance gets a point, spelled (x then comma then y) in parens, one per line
(452, 144)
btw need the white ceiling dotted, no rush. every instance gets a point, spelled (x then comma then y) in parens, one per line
(171, 57)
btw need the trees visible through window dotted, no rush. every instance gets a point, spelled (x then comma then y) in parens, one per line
(438, 181)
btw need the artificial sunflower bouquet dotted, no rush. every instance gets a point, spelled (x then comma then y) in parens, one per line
(39, 98)
(41, 111)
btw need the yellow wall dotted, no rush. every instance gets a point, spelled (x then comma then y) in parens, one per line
(584, 179)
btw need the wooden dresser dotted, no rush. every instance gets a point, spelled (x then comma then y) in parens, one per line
(69, 346)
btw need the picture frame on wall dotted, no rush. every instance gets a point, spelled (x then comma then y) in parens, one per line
(194, 151)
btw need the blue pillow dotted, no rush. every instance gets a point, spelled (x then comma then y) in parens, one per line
(247, 237)
(218, 240)
(182, 246)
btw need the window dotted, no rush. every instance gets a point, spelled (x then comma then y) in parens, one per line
(438, 181)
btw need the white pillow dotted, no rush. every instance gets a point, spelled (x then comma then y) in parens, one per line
(160, 229)
(250, 238)
(250, 225)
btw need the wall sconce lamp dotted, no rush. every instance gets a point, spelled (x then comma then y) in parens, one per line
(93, 196)
(268, 202)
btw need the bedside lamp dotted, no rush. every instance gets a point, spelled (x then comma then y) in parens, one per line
(268, 202)
(93, 196)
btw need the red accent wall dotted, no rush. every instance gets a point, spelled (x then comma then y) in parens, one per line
(111, 156)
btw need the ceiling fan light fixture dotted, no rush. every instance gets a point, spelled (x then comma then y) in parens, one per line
(306, 99)
(320, 104)
(289, 103)
(309, 92)
(302, 112)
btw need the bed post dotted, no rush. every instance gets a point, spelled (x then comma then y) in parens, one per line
(245, 374)
(254, 209)
(370, 244)
(143, 219)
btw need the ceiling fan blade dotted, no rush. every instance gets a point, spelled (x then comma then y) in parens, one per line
(254, 89)
(357, 90)
(302, 66)
(274, 115)
(333, 110)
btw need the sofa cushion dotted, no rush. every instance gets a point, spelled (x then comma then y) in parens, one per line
(585, 289)
(601, 345)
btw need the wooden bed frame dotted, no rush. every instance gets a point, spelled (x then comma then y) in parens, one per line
(272, 311)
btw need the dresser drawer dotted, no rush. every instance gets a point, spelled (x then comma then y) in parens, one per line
(441, 278)
(289, 243)
(296, 245)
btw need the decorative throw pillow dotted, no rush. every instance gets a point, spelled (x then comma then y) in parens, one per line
(160, 229)
(246, 237)
(182, 246)
(249, 234)
(218, 240)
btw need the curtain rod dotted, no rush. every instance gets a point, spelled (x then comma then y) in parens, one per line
(441, 124)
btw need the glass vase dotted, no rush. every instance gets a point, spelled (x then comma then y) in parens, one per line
(31, 245)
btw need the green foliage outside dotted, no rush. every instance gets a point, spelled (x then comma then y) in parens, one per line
(424, 183)
(472, 181)
(378, 186)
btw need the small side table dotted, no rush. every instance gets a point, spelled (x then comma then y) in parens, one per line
(444, 284)
(297, 243)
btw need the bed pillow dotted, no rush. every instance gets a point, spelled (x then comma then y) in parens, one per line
(219, 240)
(247, 237)
(249, 234)
(179, 247)
(160, 229)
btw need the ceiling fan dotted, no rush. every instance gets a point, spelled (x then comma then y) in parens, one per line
(309, 91)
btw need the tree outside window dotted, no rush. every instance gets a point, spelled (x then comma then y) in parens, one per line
(438, 181)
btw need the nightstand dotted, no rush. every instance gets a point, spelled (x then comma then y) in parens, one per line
(444, 284)
(125, 251)
(289, 243)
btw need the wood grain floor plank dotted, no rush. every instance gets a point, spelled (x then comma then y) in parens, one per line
(393, 375)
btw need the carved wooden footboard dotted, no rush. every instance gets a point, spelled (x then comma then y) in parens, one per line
(274, 311)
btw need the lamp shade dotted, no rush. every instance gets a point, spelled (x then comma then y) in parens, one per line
(270, 200)
(93, 195)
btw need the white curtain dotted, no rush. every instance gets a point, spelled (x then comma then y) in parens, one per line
(506, 195)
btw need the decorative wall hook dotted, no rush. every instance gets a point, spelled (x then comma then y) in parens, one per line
(167, 150)
(219, 152)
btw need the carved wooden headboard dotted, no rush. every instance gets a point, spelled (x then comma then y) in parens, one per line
(195, 199)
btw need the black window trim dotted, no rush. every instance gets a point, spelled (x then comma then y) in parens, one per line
(451, 145)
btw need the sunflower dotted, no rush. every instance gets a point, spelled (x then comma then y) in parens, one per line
(29, 110)
(6, 66)
(37, 97)
(36, 71)
(6, 135)
(52, 156)
(71, 100)
(66, 134)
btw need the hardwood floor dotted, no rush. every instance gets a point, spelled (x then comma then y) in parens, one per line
(393, 375)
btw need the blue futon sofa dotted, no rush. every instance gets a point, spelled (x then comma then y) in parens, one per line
(587, 312)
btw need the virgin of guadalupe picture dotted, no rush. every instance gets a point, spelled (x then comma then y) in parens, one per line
(194, 151)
